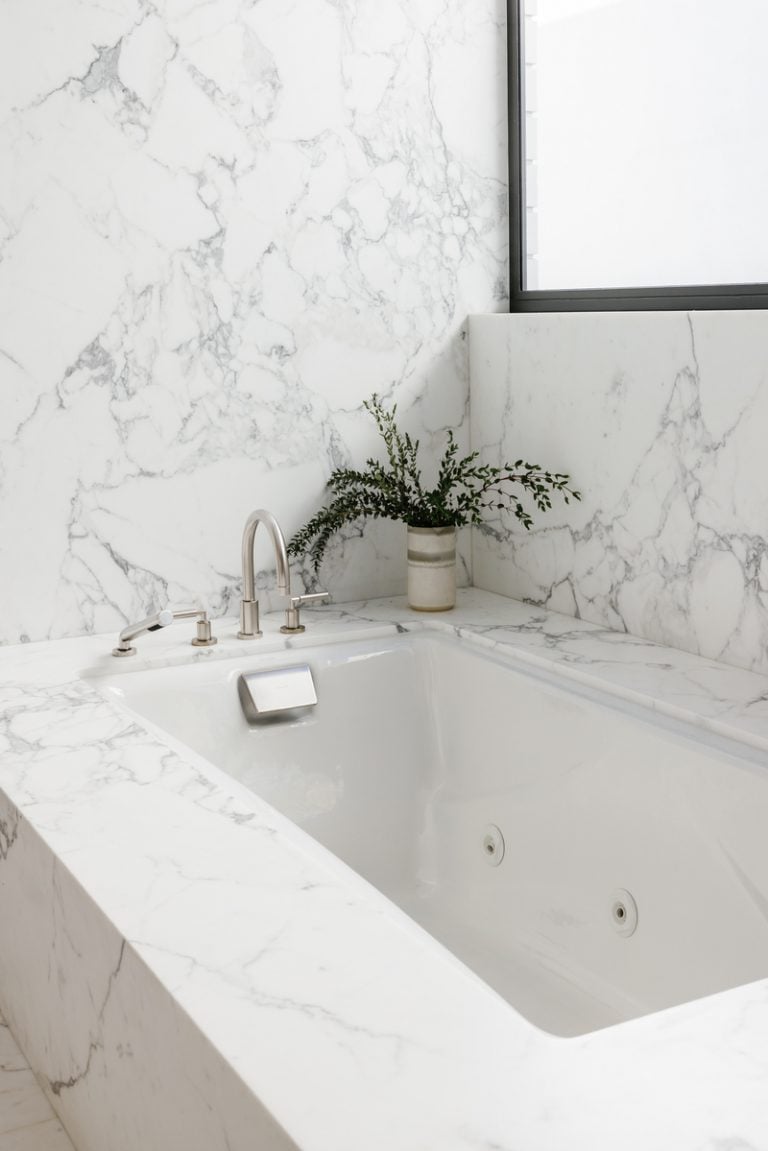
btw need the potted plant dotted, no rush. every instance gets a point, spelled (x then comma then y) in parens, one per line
(464, 490)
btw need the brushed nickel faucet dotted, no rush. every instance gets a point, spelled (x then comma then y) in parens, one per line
(249, 605)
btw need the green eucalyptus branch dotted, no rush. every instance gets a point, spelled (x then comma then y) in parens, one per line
(465, 489)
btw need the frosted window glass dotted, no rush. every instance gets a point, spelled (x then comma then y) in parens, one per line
(646, 143)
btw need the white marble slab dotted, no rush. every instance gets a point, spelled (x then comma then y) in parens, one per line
(199, 955)
(222, 227)
(659, 417)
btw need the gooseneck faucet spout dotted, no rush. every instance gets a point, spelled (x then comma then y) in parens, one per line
(249, 605)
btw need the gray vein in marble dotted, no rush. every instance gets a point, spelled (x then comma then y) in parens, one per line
(205, 356)
(26, 1120)
(644, 563)
(95, 1045)
(9, 831)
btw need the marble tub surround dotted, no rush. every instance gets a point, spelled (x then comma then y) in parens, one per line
(659, 419)
(27, 1121)
(122, 1063)
(222, 227)
(331, 1022)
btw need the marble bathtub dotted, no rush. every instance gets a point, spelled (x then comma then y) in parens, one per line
(591, 863)
(185, 967)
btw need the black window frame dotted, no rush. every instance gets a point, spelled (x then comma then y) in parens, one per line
(687, 298)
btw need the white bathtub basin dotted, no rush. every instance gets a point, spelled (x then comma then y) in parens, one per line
(421, 742)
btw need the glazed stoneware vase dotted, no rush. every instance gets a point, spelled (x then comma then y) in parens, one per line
(431, 568)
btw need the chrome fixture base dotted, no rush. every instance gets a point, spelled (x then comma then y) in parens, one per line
(249, 619)
(204, 637)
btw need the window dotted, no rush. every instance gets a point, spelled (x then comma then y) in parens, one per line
(638, 154)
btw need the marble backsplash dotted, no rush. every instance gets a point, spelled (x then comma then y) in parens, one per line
(660, 418)
(222, 227)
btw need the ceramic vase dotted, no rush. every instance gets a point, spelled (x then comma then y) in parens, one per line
(431, 568)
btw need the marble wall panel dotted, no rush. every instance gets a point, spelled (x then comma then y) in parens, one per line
(660, 418)
(222, 227)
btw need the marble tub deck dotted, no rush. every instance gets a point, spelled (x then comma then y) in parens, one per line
(27, 1122)
(203, 976)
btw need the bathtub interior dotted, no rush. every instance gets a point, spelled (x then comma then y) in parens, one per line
(422, 745)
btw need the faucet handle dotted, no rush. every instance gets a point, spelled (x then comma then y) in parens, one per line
(293, 623)
(204, 636)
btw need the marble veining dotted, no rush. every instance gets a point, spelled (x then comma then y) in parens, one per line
(27, 1122)
(222, 227)
(202, 955)
(658, 418)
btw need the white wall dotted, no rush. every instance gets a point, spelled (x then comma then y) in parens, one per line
(222, 226)
(660, 418)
